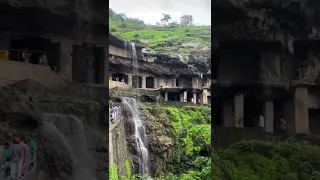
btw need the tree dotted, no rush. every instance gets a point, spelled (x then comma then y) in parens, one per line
(186, 20)
(173, 24)
(166, 18)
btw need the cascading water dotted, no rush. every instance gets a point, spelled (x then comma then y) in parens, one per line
(140, 132)
(140, 135)
(76, 143)
(135, 66)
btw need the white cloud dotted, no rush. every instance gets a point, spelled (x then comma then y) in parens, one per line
(151, 11)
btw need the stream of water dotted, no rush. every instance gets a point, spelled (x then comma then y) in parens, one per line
(140, 135)
(69, 130)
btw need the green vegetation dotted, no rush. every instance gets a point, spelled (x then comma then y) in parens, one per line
(166, 37)
(258, 160)
(113, 172)
(191, 132)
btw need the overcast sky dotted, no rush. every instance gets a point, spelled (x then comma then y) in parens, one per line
(150, 11)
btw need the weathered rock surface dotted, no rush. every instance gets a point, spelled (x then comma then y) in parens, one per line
(65, 16)
(22, 105)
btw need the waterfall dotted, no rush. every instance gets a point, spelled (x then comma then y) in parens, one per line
(135, 66)
(140, 135)
(75, 142)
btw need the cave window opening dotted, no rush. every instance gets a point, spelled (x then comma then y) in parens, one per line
(252, 112)
(119, 76)
(149, 82)
(173, 96)
(177, 82)
(36, 47)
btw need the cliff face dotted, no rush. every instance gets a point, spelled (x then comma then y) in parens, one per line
(281, 35)
(57, 124)
(64, 15)
(266, 20)
(167, 65)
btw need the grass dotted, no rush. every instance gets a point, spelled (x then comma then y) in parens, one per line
(165, 40)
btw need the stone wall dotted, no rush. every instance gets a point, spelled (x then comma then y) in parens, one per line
(123, 85)
(89, 91)
(118, 152)
(12, 71)
(119, 52)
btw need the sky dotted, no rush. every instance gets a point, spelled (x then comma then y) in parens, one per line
(150, 11)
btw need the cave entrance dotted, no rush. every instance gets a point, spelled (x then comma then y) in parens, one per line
(173, 96)
(252, 111)
(217, 111)
(278, 115)
(189, 96)
(314, 121)
(120, 77)
(149, 82)
(37, 47)
(209, 99)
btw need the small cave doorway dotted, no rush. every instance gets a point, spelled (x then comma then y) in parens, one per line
(149, 82)
(189, 96)
(252, 111)
(120, 77)
(173, 96)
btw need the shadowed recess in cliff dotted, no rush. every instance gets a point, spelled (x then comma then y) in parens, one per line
(68, 136)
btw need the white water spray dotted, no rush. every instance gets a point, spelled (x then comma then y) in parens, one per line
(140, 135)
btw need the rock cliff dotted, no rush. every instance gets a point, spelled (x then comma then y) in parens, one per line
(24, 111)
(64, 16)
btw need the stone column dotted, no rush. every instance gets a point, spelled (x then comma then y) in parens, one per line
(228, 118)
(239, 110)
(185, 96)
(268, 114)
(195, 98)
(144, 82)
(130, 80)
(165, 96)
(205, 96)
(66, 49)
(181, 97)
(301, 115)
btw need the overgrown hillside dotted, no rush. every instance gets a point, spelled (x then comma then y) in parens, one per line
(259, 160)
(180, 141)
(167, 37)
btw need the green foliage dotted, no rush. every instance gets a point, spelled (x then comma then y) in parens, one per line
(113, 172)
(191, 128)
(160, 38)
(253, 160)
